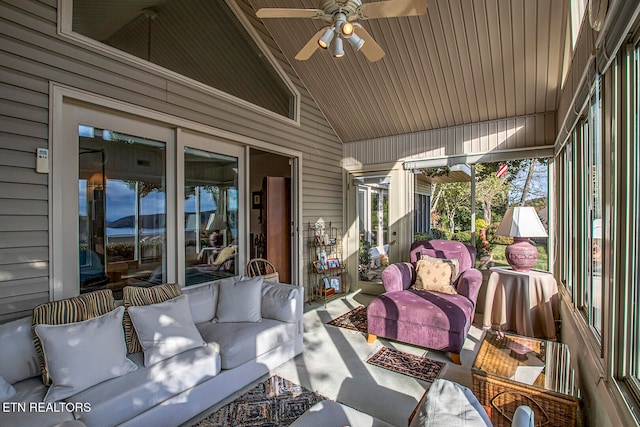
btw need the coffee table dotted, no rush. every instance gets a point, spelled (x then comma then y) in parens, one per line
(511, 370)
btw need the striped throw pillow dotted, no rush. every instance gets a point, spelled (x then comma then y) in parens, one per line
(137, 296)
(70, 310)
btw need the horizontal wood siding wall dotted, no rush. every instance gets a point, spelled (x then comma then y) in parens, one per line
(32, 55)
(516, 133)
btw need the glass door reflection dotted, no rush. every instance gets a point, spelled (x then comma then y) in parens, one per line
(210, 216)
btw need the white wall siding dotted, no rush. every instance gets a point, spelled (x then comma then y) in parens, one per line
(32, 55)
(504, 135)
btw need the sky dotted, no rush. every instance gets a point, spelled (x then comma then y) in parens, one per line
(121, 201)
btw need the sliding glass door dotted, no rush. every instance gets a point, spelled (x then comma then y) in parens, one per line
(139, 203)
(122, 210)
(211, 211)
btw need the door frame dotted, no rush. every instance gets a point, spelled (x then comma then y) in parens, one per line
(63, 167)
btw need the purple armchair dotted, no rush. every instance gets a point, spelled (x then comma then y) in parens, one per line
(425, 318)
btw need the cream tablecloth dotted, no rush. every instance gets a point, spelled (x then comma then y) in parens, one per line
(524, 302)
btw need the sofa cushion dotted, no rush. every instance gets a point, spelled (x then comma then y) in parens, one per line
(239, 343)
(279, 302)
(434, 276)
(328, 413)
(19, 360)
(82, 354)
(424, 308)
(450, 404)
(7, 391)
(136, 296)
(203, 300)
(31, 392)
(66, 311)
(240, 301)
(165, 329)
(120, 399)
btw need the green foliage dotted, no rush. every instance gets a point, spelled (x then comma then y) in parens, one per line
(441, 234)
(421, 237)
(481, 223)
(121, 250)
(462, 236)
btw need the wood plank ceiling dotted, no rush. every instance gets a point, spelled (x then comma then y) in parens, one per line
(465, 61)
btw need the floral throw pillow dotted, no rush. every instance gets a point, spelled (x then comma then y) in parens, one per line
(434, 276)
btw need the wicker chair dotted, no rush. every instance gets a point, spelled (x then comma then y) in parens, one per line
(262, 267)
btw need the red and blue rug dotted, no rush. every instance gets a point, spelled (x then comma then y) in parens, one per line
(419, 367)
(355, 319)
(275, 402)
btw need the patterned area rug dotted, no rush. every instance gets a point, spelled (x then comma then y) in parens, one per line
(355, 320)
(419, 367)
(274, 402)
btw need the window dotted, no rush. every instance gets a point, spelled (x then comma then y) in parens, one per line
(206, 42)
(373, 217)
(141, 190)
(210, 215)
(421, 223)
(580, 213)
(122, 209)
(631, 196)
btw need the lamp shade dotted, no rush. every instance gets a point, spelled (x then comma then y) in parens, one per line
(216, 222)
(521, 221)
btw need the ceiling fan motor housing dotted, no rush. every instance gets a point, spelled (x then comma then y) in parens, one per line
(348, 7)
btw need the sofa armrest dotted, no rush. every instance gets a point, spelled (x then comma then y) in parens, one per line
(398, 277)
(283, 302)
(469, 284)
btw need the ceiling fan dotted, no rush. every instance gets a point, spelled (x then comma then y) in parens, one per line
(342, 18)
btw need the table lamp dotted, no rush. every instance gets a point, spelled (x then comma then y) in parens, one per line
(521, 223)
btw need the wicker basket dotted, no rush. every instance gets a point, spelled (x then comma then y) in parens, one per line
(503, 396)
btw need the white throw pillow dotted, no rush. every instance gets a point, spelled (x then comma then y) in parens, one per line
(7, 391)
(19, 359)
(83, 354)
(165, 329)
(240, 301)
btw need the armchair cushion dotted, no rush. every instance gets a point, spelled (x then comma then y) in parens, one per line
(424, 309)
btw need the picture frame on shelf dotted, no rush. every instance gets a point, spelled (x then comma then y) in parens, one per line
(318, 266)
(335, 283)
(333, 263)
(327, 292)
(326, 282)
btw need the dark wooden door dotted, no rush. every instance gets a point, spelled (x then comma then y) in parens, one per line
(276, 222)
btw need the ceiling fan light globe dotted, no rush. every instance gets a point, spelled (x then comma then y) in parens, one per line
(356, 42)
(347, 30)
(337, 49)
(325, 39)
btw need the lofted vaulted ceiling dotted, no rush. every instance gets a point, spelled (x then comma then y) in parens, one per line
(465, 61)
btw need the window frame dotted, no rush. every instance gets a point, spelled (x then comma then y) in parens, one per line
(65, 29)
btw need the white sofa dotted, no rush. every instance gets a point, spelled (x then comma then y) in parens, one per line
(171, 391)
(445, 404)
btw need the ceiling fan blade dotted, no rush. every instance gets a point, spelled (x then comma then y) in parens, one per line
(288, 13)
(311, 46)
(370, 48)
(393, 8)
